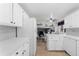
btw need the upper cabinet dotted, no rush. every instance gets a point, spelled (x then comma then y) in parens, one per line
(71, 21)
(11, 14)
(5, 14)
(17, 14)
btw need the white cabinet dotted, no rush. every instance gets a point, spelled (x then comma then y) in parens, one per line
(70, 46)
(55, 42)
(71, 21)
(23, 50)
(17, 14)
(75, 19)
(5, 14)
(10, 14)
(51, 44)
(55, 45)
(33, 34)
(28, 29)
(68, 22)
(59, 45)
(77, 48)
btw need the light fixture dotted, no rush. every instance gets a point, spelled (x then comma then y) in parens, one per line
(51, 17)
(50, 20)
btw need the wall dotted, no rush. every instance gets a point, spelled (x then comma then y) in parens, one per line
(73, 31)
(7, 32)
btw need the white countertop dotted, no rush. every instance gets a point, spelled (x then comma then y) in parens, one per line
(54, 36)
(71, 36)
(65, 35)
(8, 46)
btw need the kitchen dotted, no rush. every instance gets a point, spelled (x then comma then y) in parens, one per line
(21, 24)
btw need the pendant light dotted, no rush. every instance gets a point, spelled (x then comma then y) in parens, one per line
(51, 18)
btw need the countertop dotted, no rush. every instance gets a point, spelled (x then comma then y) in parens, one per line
(8, 46)
(71, 36)
(54, 36)
(64, 35)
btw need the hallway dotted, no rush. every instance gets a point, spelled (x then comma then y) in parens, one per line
(42, 50)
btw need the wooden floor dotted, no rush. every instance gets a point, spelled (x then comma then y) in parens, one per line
(42, 50)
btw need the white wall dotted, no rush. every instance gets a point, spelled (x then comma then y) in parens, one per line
(7, 32)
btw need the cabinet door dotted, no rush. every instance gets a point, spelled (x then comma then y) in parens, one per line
(51, 44)
(70, 46)
(5, 13)
(77, 48)
(71, 21)
(59, 45)
(34, 33)
(75, 19)
(17, 14)
(66, 22)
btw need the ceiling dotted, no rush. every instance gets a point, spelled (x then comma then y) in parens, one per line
(42, 11)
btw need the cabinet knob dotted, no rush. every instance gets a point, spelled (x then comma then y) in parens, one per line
(14, 22)
(11, 22)
(16, 52)
(23, 51)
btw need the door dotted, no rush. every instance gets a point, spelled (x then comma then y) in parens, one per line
(5, 14)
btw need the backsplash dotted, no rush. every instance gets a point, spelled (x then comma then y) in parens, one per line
(7, 32)
(73, 31)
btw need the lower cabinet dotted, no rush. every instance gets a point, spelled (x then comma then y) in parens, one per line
(69, 45)
(22, 51)
(59, 45)
(55, 42)
(77, 51)
(55, 45)
(51, 44)
(77, 48)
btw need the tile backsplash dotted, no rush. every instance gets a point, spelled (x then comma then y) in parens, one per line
(73, 31)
